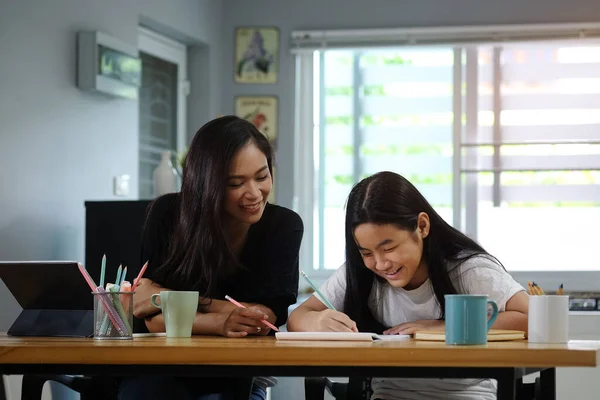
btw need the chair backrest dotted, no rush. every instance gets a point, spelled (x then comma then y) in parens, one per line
(357, 388)
(2, 388)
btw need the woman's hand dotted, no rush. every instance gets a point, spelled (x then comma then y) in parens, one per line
(334, 321)
(271, 317)
(409, 328)
(142, 307)
(242, 322)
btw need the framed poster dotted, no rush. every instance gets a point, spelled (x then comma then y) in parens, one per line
(261, 111)
(256, 55)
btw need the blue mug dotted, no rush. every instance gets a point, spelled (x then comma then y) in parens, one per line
(467, 318)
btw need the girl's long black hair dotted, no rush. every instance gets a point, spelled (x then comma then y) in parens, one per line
(388, 198)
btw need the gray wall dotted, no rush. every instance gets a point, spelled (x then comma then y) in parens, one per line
(60, 146)
(289, 15)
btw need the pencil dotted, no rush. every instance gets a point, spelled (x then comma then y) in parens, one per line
(541, 291)
(123, 277)
(530, 288)
(119, 272)
(537, 290)
(137, 280)
(560, 290)
(264, 321)
(103, 270)
(323, 298)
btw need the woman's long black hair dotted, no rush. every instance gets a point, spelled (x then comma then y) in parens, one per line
(199, 253)
(388, 198)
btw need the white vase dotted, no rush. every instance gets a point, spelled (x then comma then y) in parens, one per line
(166, 179)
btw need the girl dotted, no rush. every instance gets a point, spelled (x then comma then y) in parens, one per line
(219, 236)
(401, 259)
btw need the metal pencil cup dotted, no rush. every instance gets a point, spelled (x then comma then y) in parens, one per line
(113, 315)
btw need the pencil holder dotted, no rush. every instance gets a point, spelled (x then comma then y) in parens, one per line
(113, 315)
(548, 319)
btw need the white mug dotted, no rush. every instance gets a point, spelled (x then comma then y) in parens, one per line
(548, 320)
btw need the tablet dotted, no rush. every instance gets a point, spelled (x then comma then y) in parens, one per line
(55, 298)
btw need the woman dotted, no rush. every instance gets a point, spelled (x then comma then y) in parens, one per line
(219, 236)
(401, 259)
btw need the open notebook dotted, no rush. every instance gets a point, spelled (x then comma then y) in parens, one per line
(340, 336)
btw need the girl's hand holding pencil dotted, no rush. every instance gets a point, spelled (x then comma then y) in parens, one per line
(334, 321)
(330, 320)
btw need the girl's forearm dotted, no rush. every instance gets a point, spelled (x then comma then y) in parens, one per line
(513, 320)
(302, 319)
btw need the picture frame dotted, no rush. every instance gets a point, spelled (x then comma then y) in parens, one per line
(256, 55)
(262, 112)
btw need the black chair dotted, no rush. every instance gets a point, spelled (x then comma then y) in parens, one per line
(96, 387)
(2, 388)
(357, 388)
(89, 387)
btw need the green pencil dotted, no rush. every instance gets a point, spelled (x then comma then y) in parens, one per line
(103, 270)
(323, 298)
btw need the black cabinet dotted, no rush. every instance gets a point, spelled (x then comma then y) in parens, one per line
(114, 228)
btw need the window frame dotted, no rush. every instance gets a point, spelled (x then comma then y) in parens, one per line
(304, 49)
(170, 50)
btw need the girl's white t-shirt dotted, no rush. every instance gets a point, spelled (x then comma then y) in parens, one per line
(392, 306)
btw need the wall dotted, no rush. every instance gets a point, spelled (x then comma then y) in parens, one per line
(290, 15)
(60, 146)
(360, 14)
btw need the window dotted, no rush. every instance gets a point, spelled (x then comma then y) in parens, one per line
(162, 104)
(534, 175)
(381, 110)
(503, 139)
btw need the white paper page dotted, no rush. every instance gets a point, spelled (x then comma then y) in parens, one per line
(392, 337)
(347, 336)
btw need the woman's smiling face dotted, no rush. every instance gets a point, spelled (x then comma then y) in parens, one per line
(248, 185)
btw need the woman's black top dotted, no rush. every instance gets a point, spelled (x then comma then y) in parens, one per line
(269, 260)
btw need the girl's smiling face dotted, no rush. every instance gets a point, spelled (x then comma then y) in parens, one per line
(394, 254)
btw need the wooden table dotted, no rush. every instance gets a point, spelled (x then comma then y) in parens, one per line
(216, 356)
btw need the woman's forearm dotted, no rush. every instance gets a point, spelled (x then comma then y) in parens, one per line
(204, 323)
(216, 306)
(142, 307)
(224, 306)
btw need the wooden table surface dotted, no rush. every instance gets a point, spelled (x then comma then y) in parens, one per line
(267, 351)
